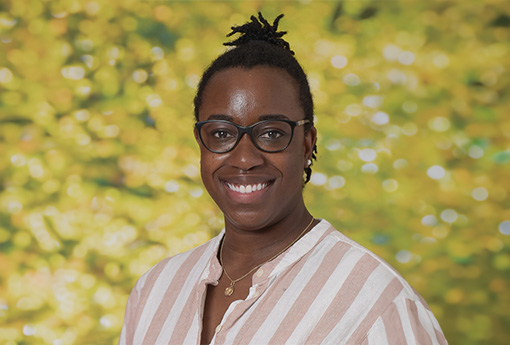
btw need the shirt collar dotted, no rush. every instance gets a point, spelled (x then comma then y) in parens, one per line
(303, 246)
(299, 249)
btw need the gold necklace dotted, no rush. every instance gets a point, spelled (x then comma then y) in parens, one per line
(230, 289)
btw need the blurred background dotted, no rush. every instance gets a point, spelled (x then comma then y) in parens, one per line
(99, 170)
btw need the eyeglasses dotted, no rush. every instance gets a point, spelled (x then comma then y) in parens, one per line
(221, 136)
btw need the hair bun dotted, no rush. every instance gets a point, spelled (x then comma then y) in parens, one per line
(259, 30)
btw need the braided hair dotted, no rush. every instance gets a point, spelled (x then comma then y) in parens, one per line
(259, 30)
(260, 44)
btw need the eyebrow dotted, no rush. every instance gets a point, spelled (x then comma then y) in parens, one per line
(261, 118)
(273, 117)
(220, 117)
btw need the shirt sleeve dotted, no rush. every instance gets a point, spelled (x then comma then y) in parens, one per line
(128, 328)
(406, 321)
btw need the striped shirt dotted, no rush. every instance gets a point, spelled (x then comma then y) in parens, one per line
(325, 289)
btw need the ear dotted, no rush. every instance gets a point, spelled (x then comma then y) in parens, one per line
(195, 133)
(310, 141)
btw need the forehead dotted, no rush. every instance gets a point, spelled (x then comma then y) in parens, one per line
(245, 94)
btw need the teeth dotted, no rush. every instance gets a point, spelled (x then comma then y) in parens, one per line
(245, 189)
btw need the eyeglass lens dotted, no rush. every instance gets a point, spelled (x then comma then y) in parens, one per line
(270, 136)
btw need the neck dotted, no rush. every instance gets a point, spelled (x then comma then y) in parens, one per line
(244, 249)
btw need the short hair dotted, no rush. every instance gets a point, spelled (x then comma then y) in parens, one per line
(260, 44)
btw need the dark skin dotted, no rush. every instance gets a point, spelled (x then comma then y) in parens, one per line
(260, 224)
(216, 304)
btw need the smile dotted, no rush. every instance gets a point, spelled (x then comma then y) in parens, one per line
(246, 188)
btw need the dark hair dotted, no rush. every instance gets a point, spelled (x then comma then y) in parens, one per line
(260, 44)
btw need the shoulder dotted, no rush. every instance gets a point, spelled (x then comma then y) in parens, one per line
(364, 270)
(406, 320)
(178, 266)
(364, 262)
(387, 302)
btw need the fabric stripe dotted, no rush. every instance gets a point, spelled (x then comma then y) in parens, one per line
(154, 297)
(181, 330)
(420, 333)
(440, 337)
(344, 298)
(306, 243)
(187, 303)
(264, 306)
(292, 281)
(194, 333)
(367, 297)
(129, 326)
(288, 288)
(179, 306)
(328, 294)
(309, 293)
(386, 298)
(427, 320)
(377, 335)
(406, 321)
(148, 282)
(170, 297)
(393, 325)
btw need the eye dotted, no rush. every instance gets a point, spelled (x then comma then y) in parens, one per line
(271, 134)
(221, 134)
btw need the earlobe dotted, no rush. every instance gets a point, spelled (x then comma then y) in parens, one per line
(310, 141)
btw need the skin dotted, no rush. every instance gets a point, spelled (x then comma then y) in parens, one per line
(259, 224)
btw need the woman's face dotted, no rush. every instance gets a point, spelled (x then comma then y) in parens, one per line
(245, 97)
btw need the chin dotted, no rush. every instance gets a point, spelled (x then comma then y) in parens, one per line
(247, 222)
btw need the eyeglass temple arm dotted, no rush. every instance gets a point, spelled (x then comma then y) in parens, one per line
(302, 122)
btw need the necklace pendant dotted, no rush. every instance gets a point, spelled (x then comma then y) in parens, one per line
(229, 291)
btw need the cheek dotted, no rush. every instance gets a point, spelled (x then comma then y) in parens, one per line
(297, 163)
(206, 172)
(298, 152)
(209, 163)
(291, 166)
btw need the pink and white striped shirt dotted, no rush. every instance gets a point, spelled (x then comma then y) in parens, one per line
(325, 289)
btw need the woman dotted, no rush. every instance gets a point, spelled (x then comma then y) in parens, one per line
(275, 275)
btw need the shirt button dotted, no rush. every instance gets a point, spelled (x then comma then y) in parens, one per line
(218, 329)
(259, 272)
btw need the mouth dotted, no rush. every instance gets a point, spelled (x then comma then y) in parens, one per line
(247, 188)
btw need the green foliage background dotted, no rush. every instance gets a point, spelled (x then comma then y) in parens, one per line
(99, 176)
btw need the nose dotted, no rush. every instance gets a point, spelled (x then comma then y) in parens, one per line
(245, 155)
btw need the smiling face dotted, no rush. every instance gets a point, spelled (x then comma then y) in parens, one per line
(255, 189)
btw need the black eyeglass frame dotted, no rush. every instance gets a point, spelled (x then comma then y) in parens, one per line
(241, 130)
